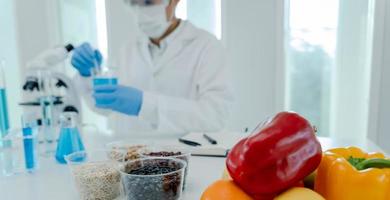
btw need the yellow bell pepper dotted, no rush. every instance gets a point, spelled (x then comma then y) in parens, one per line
(351, 174)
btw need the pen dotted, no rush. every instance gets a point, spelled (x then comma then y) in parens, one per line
(211, 140)
(188, 142)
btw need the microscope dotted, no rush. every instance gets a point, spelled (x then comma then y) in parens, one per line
(49, 92)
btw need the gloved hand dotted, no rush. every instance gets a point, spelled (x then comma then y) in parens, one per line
(84, 58)
(126, 100)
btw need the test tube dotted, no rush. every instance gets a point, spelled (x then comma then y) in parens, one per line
(96, 70)
(48, 129)
(29, 127)
(47, 107)
(4, 122)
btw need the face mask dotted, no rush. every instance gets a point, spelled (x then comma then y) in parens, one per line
(152, 20)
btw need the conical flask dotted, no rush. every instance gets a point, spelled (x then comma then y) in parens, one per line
(70, 140)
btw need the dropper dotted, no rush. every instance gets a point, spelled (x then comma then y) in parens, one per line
(96, 69)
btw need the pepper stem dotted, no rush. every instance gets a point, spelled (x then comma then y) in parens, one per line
(373, 163)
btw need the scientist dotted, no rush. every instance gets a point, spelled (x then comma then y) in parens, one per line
(173, 78)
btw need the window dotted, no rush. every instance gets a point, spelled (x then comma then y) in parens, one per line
(311, 36)
(327, 68)
(101, 26)
(205, 14)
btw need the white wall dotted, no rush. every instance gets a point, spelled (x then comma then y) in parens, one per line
(380, 83)
(33, 32)
(252, 37)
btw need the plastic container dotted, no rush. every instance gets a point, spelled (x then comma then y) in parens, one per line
(128, 150)
(168, 152)
(95, 175)
(153, 179)
(18, 153)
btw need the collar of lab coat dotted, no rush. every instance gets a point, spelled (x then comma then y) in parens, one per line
(175, 41)
(185, 31)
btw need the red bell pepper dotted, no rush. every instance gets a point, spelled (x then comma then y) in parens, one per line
(280, 153)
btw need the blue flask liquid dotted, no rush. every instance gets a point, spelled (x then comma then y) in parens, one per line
(70, 140)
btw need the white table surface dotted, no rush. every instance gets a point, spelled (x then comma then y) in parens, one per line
(53, 181)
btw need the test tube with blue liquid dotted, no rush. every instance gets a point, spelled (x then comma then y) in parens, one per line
(4, 121)
(6, 157)
(30, 141)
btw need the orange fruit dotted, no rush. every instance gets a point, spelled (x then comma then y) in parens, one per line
(226, 190)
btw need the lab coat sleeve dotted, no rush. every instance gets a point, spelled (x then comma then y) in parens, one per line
(207, 112)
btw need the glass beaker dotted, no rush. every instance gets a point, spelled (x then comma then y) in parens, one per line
(70, 140)
(18, 155)
(104, 75)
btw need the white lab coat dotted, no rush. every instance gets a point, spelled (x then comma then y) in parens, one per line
(186, 90)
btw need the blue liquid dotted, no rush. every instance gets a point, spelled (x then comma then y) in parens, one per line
(79, 158)
(69, 142)
(102, 82)
(105, 81)
(4, 123)
(29, 149)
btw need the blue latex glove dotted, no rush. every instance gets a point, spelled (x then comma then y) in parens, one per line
(83, 59)
(126, 100)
